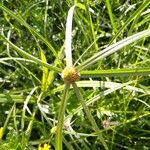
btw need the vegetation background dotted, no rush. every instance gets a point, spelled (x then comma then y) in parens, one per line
(31, 90)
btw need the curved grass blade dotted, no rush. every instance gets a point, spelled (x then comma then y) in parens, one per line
(68, 50)
(8, 118)
(31, 29)
(134, 15)
(113, 48)
(51, 74)
(44, 71)
(25, 108)
(98, 97)
(28, 56)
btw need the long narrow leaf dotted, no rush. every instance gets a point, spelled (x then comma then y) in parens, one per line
(68, 50)
(111, 15)
(10, 98)
(31, 29)
(98, 97)
(115, 72)
(28, 56)
(103, 84)
(113, 48)
(134, 15)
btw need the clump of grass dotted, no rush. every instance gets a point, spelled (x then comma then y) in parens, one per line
(89, 97)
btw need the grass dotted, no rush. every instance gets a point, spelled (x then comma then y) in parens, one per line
(45, 46)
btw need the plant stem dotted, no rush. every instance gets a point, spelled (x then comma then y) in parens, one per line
(61, 118)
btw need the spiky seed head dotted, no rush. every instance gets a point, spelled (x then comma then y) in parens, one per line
(70, 75)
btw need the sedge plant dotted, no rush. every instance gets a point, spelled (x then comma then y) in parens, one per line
(71, 73)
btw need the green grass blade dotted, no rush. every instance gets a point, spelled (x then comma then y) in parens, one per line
(61, 118)
(134, 15)
(25, 108)
(115, 72)
(28, 56)
(46, 17)
(68, 34)
(51, 74)
(92, 27)
(114, 48)
(105, 84)
(111, 15)
(30, 125)
(11, 98)
(98, 97)
(110, 85)
(44, 71)
(68, 145)
(91, 119)
(31, 29)
(8, 117)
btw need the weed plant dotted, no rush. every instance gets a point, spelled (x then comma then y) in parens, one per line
(74, 75)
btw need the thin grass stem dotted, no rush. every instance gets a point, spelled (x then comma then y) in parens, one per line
(59, 135)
